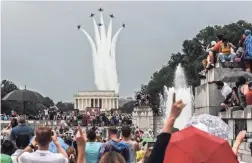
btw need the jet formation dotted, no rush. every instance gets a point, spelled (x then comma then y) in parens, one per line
(92, 15)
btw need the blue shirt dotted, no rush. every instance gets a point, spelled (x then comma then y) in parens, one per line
(92, 151)
(21, 129)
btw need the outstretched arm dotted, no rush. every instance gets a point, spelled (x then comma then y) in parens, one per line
(163, 139)
(239, 139)
(212, 82)
(234, 47)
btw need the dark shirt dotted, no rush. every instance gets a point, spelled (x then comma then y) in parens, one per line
(158, 152)
(242, 98)
(23, 129)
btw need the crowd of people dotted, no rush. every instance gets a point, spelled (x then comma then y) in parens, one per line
(226, 54)
(74, 118)
(24, 145)
(20, 138)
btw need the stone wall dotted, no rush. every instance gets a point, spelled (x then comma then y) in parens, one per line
(238, 120)
(35, 123)
(142, 117)
(208, 99)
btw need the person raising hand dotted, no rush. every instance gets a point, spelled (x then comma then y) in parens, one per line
(81, 145)
(163, 138)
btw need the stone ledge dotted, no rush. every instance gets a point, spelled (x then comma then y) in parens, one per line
(237, 114)
(225, 115)
(220, 73)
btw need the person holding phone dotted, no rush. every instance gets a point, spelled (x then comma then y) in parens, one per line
(42, 139)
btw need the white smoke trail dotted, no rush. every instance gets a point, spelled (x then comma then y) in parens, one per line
(96, 64)
(113, 60)
(97, 34)
(102, 30)
(109, 34)
(113, 43)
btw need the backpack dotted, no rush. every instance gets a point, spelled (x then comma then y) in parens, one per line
(124, 151)
(248, 52)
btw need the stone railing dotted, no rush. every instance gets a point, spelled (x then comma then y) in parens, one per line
(239, 120)
(36, 123)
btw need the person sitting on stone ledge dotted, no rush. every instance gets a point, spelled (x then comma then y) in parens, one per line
(240, 52)
(248, 51)
(214, 51)
(249, 94)
(226, 92)
(242, 91)
(207, 61)
(234, 101)
(226, 52)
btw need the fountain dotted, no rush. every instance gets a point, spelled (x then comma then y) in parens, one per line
(183, 92)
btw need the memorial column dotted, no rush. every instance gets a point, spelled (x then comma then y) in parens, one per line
(113, 103)
(82, 103)
(76, 103)
(98, 102)
(117, 105)
(108, 102)
(85, 106)
(88, 102)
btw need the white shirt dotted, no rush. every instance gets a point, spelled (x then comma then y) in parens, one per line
(15, 155)
(46, 112)
(42, 157)
(225, 90)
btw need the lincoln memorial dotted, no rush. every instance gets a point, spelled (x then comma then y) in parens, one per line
(105, 100)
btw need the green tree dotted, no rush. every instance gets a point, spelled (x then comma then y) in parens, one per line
(65, 106)
(128, 107)
(191, 58)
(7, 87)
(48, 102)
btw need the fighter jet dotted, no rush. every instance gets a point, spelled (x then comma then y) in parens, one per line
(91, 15)
(99, 24)
(78, 26)
(100, 9)
(112, 16)
(123, 25)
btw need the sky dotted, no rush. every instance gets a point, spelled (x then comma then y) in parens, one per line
(42, 48)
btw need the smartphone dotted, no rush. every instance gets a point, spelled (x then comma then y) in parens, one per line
(174, 98)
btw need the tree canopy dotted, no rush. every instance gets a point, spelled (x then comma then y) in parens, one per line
(191, 58)
(65, 106)
(7, 87)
